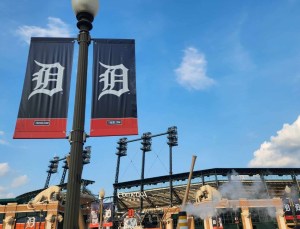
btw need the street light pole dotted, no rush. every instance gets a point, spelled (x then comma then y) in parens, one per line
(85, 11)
(101, 197)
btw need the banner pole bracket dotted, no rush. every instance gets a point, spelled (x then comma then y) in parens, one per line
(71, 138)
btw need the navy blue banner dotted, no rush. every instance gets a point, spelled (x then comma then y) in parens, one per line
(44, 105)
(291, 207)
(114, 109)
(107, 215)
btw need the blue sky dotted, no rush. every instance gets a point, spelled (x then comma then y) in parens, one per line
(226, 73)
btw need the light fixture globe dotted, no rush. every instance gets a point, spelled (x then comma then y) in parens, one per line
(101, 193)
(85, 6)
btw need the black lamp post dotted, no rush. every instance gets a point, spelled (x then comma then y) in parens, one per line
(85, 11)
(101, 197)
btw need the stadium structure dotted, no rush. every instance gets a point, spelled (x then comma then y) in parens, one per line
(258, 198)
(248, 198)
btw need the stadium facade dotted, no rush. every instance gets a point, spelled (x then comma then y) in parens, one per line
(246, 198)
(249, 198)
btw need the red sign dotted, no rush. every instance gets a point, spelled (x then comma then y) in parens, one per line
(130, 213)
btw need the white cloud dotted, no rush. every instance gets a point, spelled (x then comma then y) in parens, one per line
(9, 195)
(2, 189)
(282, 150)
(4, 168)
(19, 181)
(191, 73)
(10, 181)
(2, 141)
(4, 194)
(55, 28)
(238, 56)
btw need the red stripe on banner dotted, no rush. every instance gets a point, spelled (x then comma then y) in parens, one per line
(289, 217)
(113, 127)
(108, 224)
(94, 225)
(40, 128)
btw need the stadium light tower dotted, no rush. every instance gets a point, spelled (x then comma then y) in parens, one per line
(86, 155)
(146, 147)
(85, 11)
(122, 151)
(172, 141)
(52, 169)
